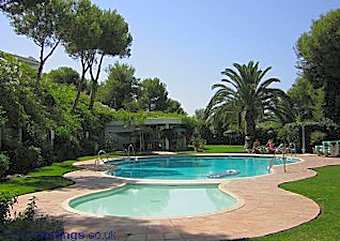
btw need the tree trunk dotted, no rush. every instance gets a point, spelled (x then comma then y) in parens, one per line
(79, 89)
(40, 70)
(43, 61)
(95, 82)
(249, 129)
(84, 68)
(38, 76)
(93, 93)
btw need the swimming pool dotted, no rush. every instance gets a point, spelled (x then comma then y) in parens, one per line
(155, 201)
(193, 167)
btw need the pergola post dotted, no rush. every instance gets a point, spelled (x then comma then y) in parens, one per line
(167, 142)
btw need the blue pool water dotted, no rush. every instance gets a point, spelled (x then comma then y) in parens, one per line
(155, 201)
(192, 167)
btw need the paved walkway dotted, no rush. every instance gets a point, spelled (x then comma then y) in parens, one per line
(267, 208)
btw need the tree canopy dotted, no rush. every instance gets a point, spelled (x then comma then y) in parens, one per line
(120, 89)
(64, 75)
(93, 34)
(43, 22)
(307, 99)
(173, 106)
(114, 40)
(153, 95)
(319, 58)
(244, 94)
(17, 6)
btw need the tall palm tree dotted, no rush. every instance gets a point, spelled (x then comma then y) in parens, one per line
(243, 96)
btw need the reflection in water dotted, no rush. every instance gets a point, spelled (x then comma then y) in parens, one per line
(142, 196)
(216, 197)
(193, 167)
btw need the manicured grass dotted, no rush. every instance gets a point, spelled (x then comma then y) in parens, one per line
(223, 149)
(325, 190)
(108, 155)
(43, 178)
(48, 177)
(217, 149)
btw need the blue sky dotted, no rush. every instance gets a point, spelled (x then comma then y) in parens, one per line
(187, 43)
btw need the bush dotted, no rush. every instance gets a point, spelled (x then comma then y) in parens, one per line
(198, 142)
(6, 202)
(25, 226)
(4, 164)
(315, 132)
(316, 137)
(27, 158)
(64, 75)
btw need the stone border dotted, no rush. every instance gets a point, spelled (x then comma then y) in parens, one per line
(192, 181)
(66, 204)
(268, 209)
(239, 203)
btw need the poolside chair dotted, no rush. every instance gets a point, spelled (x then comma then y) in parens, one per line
(337, 148)
(281, 149)
(331, 147)
(258, 150)
(318, 149)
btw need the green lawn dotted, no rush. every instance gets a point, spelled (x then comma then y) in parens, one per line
(325, 190)
(48, 177)
(44, 178)
(217, 149)
(223, 149)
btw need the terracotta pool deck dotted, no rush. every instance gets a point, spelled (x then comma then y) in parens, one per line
(268, 209)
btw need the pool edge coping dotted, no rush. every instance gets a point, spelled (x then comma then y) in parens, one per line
(135, 181)
(197, 181)
(235, 231)
(240, 202)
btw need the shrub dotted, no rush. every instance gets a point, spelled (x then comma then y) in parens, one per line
(315, 132)
(27, 158)
(198, 142)
(64, 75)
(6, 202)
(316, 137)
(4, 164)
(25, 226)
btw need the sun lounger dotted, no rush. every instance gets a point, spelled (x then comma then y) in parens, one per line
(332, 148)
